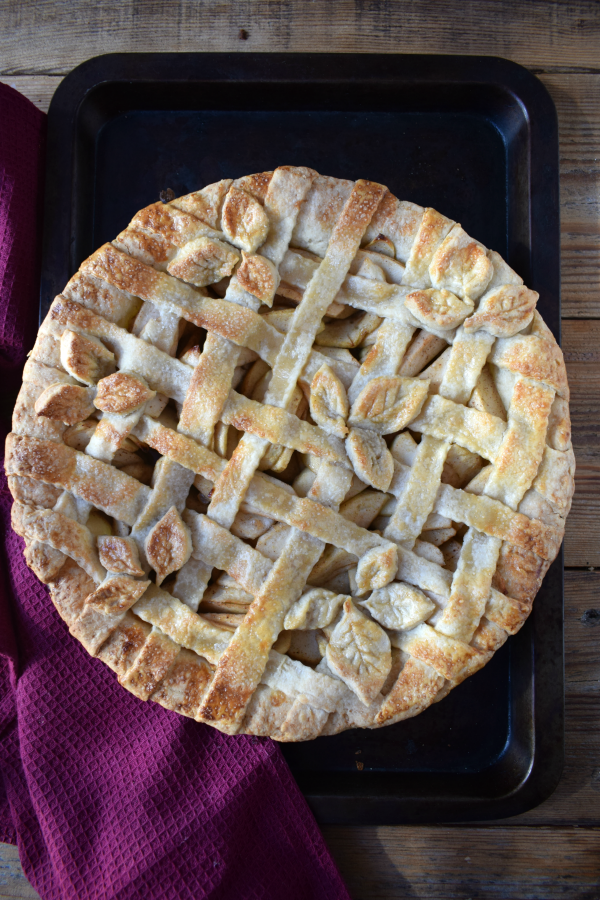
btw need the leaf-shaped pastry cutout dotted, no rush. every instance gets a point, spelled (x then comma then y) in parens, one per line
(204, 261)
(504, 311)
(315, 609)
(359, 652)
(119, 555)
(244, 221)
(122, 393)
(168, 545)
(376, 568)
(388, 403)
(328, 402)
(399, 606)
(116, 595)
(45, 561)
(259, 277)
(461, 265)
(68, 403)
(441, 309)
(370, 457)
(85, 358)
(205, 204)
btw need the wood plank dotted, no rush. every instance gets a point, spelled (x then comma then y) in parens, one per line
(577, 99)
(581, 346)
(582, 633)
(557, 33)
(582, 535)
(455, 863)
(37, 88)
(577, 798)
(13, 884)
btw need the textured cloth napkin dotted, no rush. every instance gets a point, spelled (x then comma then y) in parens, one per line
(107, 796)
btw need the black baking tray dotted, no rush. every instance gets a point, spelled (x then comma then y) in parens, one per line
(474, 137)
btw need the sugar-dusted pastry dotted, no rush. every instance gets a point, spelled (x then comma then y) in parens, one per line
(292, 455)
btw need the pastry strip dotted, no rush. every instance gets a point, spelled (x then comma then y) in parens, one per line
(516, 463)
(296, 349)
(213, 378)
(384, 358)
(107, 488)
(280, 427)
(164, 374)
(477, 431)
(466, 360)
(418, 496)
(246, 658)
(433, 229)
(520, 454)
(177, 620)
(217, 547)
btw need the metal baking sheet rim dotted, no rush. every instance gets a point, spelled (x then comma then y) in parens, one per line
(400, 798)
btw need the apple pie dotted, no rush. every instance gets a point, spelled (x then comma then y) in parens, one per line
(292, 455)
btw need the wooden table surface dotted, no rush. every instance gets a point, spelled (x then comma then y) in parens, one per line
(554, 850)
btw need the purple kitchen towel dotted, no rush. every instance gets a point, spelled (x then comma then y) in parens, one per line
(107, 796)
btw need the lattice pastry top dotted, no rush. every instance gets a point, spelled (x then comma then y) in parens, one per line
(292, 455)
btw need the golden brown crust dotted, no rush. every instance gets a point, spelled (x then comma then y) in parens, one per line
(204, 261)
(168, 545)
(444, 340)
(60, 532)
(69, 589)
(536, 356)
(414, 690)
(122, 393)
(67, 403)
(45, 561)
(258, 276)
(206, 204)
(244, 221)
(32, 492)
(151, 665)
(85, 358)
(119, 555)
(104, 609)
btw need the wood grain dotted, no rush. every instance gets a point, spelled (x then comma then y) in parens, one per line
(577, 798)
(581, 346)
(547, 35)
(577, 99)
(37, 88)
(456, 863)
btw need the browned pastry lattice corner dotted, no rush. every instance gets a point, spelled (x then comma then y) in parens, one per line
(292, 455)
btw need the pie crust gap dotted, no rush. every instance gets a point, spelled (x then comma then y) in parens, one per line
(292, 455)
